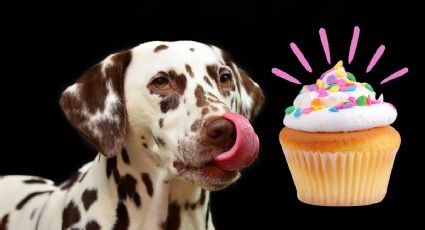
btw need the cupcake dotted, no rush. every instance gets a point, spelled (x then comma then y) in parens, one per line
(338, 142)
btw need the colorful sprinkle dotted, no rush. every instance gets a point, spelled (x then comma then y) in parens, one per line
(334, 88)
(297, 112)
(307, 110)
(347, 105)
(352, 100)
(317, 107)
(369, 100)
(319, 83)
(351, 77)
(333, 110)
(362, 100)
(340, 73)
(289, 110)
(316, 102)
(369, 87)
(338, 65)
(343, 88)
(351, 88)
(331, 80)
(312, 87)
(340, 82)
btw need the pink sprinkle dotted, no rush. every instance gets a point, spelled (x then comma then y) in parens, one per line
(338, 106)
(307, 110)
(343, 88)
(285, 76)
(369, 100)
(340, 82)
(375, 102)
(323, 94)
(352, 100)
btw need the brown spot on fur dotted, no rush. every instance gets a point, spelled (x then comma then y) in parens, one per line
(148, 183)
(205, 111)
(71, 181)
(200, 96)
(70, 216)
(196, 125)
(208, 81)
(125, 157)
(3, 222)
(123, 221)
(159, 48)
(160, 141)
(143, 137)
(127, 188)
(92, 89)
(88, 198)
(192, 49)
(253, 91)
(35, 181)
(212, 71)
(214, 108)
(29, 197)
(92, 225)
(171, 100)
(111, 169)
(145, 145)
(161, 122)
(189, 70)
(173, 218)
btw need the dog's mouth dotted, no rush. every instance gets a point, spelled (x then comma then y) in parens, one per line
(208, 176)
(219, 169)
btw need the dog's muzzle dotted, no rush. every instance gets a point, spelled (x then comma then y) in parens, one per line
(235, 134)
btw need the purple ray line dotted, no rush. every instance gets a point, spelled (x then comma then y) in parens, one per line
(285, 76)
(325, 44)
(375, 58)
(300, 57)
(395, 75)
(353, 45)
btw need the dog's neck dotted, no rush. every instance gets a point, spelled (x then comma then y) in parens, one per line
(152, 199)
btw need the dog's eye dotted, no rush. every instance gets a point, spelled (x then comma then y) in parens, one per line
(161, 83)
(226, 79)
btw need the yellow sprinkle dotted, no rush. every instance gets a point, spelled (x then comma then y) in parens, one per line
(345, 101)
(338, 65)
(340, 73)
(317, 107)
(334, 88)
(350, 82)
(319, 83)
(363, 84)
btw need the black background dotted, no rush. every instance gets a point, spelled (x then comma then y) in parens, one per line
(50, 44)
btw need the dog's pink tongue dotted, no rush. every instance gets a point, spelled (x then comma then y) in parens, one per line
(246, 146)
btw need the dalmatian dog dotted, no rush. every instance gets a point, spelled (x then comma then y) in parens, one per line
(171, 123)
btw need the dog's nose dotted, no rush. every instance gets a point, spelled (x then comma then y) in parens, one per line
(221, 132)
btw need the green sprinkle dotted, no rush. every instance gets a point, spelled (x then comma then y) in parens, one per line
(289, 110)
(351, 77)
(362, 100)
(329, 86)
(369, 87)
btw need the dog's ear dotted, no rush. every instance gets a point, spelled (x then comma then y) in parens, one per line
(95, 104)
(252, 97)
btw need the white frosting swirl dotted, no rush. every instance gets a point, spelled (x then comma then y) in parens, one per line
(326, 110)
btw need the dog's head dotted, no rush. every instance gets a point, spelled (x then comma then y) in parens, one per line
(178, 101)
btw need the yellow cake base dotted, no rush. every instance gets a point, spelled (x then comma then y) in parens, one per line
(341, 169)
